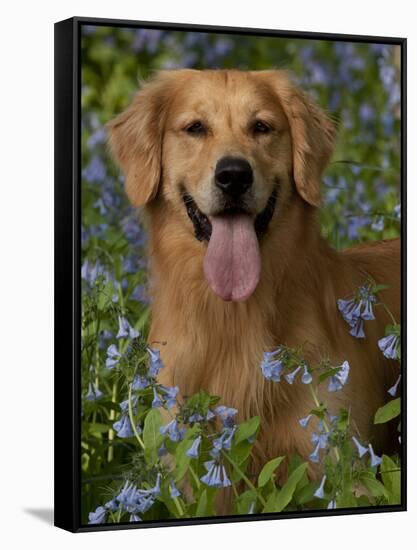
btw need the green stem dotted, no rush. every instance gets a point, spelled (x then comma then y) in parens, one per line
(394, 322)
(244, 477)
(112, 416)
(132, 420)
(178, 506)
(195, 476)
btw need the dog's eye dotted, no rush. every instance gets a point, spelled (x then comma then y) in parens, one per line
(196, 128)
(261, 128)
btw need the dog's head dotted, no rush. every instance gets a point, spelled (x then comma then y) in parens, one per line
(227, 150)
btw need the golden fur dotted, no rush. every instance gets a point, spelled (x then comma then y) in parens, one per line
(218, 345)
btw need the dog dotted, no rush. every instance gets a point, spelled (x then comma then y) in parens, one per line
(227, 165)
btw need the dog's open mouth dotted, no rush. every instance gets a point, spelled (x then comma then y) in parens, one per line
(232, 263)
(202, 224)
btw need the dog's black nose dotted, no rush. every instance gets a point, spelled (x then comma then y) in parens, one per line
(233, 175)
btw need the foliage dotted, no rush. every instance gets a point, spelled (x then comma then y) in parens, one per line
(131, 424)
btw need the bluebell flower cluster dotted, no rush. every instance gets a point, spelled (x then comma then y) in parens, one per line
(113, 356)
(173, 430)
(216, 475)
(138, 501)
(125, 329)
(338, 380)
(93, 393)
(319, 440)
(227, 415)
(389, 346)
(357, 310)
(272, 365)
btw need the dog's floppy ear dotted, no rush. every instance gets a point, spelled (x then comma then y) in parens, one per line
(135, 138)
(313, 137)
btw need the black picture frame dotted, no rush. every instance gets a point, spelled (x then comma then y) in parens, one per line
(67, 269)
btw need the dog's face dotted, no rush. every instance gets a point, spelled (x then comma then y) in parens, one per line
(227, 150)
(226, 146)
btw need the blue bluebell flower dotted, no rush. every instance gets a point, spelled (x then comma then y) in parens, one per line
(315, 455)
(90, 272)
(361, 449)
(156, 363)
(319, 493)
(170, 395)
(194, 450)
(226, 414)
(97, 517)
(127, 495)
(125, 330)
(124, 405)
(95, 171)
(397, 211)
(272, 366)
(123, 427)
(210, 415)
(113, 356)
(378, 224)
(320, 438)
(389, 346)
(173, 490)
(157, 401)
(393, 390)
(140, 382)
(174, 432)
(101, 207)
(338, 380)
(291, 376)
(112, 505)
(93, 392)
(304, 421)
(331, 505)
(306, 378)
(375, 459)
(224, 441)
(134, 517)
(357, 329)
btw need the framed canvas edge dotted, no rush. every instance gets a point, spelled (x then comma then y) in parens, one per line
(67, 223)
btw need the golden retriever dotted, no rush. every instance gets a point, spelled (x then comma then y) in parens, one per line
(227, 165)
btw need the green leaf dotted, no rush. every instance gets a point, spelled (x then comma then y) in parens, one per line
(245, 501)
(391, 478)
(283, 497)
(246, 430)
(389, 411)
(181, 459)
(201, 510)
(374, 486)
(268, 470)
(96, 427)
(152, 438)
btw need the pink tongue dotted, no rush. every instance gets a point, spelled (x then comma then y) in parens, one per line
(232, 264)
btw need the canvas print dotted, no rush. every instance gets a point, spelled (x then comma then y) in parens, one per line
(241, 275)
